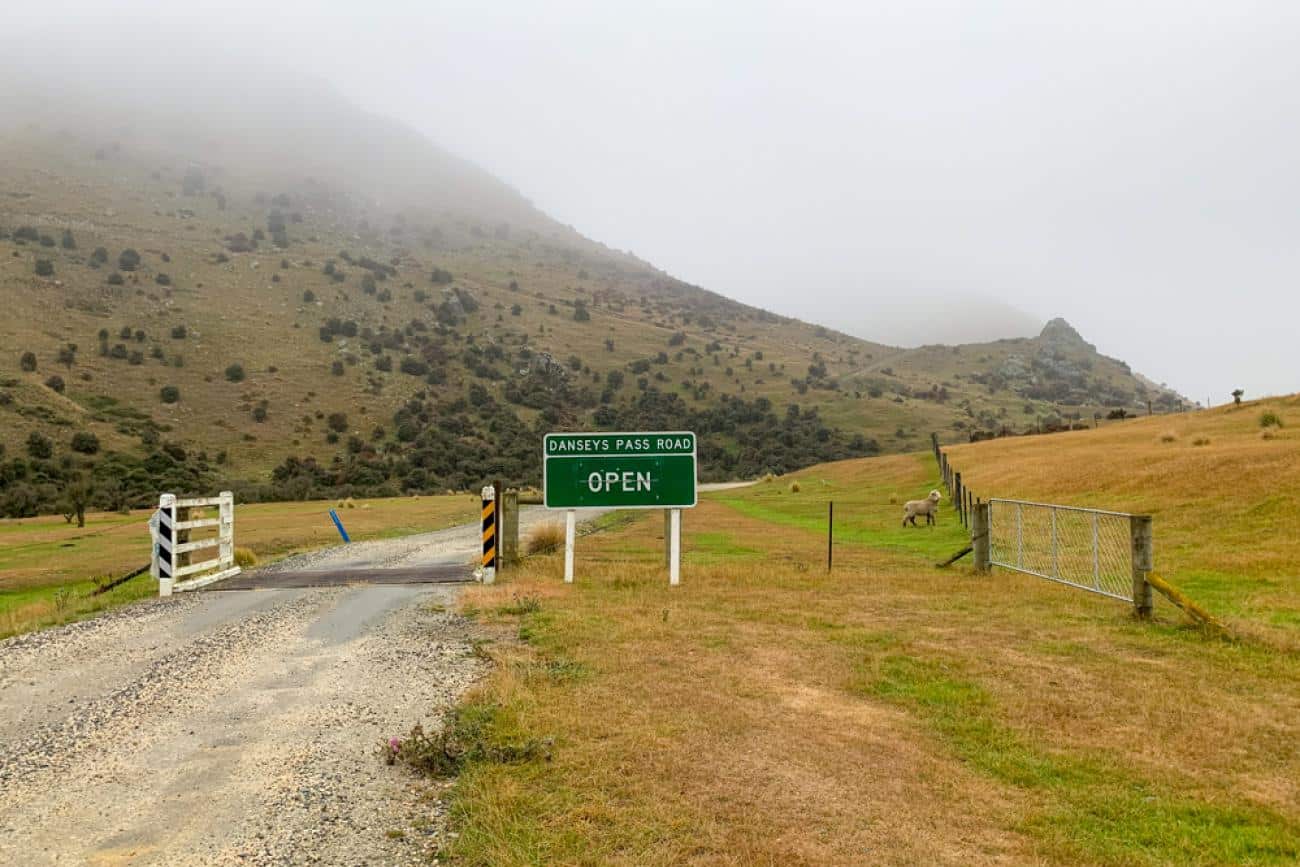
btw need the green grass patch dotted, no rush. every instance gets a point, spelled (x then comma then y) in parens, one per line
(29, 608)
(717, 548)
(1088, 808)
(856, 523)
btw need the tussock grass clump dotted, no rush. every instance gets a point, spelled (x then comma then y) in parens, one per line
(1201, 441)
(245, 558)
(1270, 419)
(794, 487)
(545, 539)
(768, 478)
(471, 733)
(1168, 437)
(521, 605)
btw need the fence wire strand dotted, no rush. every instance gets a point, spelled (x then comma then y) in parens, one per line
(1085, 548)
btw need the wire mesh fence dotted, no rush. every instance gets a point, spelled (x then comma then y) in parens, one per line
(1086, 548)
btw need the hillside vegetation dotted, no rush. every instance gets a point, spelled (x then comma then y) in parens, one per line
(246, 297)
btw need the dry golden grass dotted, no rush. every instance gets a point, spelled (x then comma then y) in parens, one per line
(545, 538)
(889, 713)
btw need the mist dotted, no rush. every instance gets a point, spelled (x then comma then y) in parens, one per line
(909, 173)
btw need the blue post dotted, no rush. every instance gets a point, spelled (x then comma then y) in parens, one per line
(339, 524)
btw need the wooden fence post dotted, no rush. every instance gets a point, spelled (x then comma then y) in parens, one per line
(956, 498)
(830, 534)
(509, 529)
(498, 488)
(1143, 563)
(979, 536)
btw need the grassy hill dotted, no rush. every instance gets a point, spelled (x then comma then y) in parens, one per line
(324, 295)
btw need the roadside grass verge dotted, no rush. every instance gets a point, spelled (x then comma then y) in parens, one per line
(888, 712)
(41, 607)
(46, 564)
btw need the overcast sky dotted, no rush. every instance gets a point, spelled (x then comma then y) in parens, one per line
(1130, 166)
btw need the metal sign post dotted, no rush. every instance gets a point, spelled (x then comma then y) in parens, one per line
(630, 470)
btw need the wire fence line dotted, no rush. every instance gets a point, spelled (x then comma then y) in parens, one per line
(1100, 551)
(1086, 548)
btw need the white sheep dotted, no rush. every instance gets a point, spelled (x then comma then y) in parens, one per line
(928, 507)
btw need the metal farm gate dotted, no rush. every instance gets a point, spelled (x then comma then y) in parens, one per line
(1103, 552)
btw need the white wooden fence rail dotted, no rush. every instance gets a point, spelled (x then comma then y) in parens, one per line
(174, 550)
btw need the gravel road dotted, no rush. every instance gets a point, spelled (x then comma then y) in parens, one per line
(229, 728)
(239, 727)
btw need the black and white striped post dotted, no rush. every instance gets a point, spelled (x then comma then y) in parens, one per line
(164, 553)
(489, 534)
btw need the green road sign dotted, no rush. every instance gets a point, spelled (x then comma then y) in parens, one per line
(646, 470)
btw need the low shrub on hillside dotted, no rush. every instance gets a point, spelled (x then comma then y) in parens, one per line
(1270, 419)
(85, 442)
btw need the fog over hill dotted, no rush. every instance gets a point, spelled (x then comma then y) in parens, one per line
(931, 318)
(238, 277)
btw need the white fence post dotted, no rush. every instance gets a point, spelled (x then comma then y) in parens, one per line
(675, 549)
(226, 513)
(166, 544)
